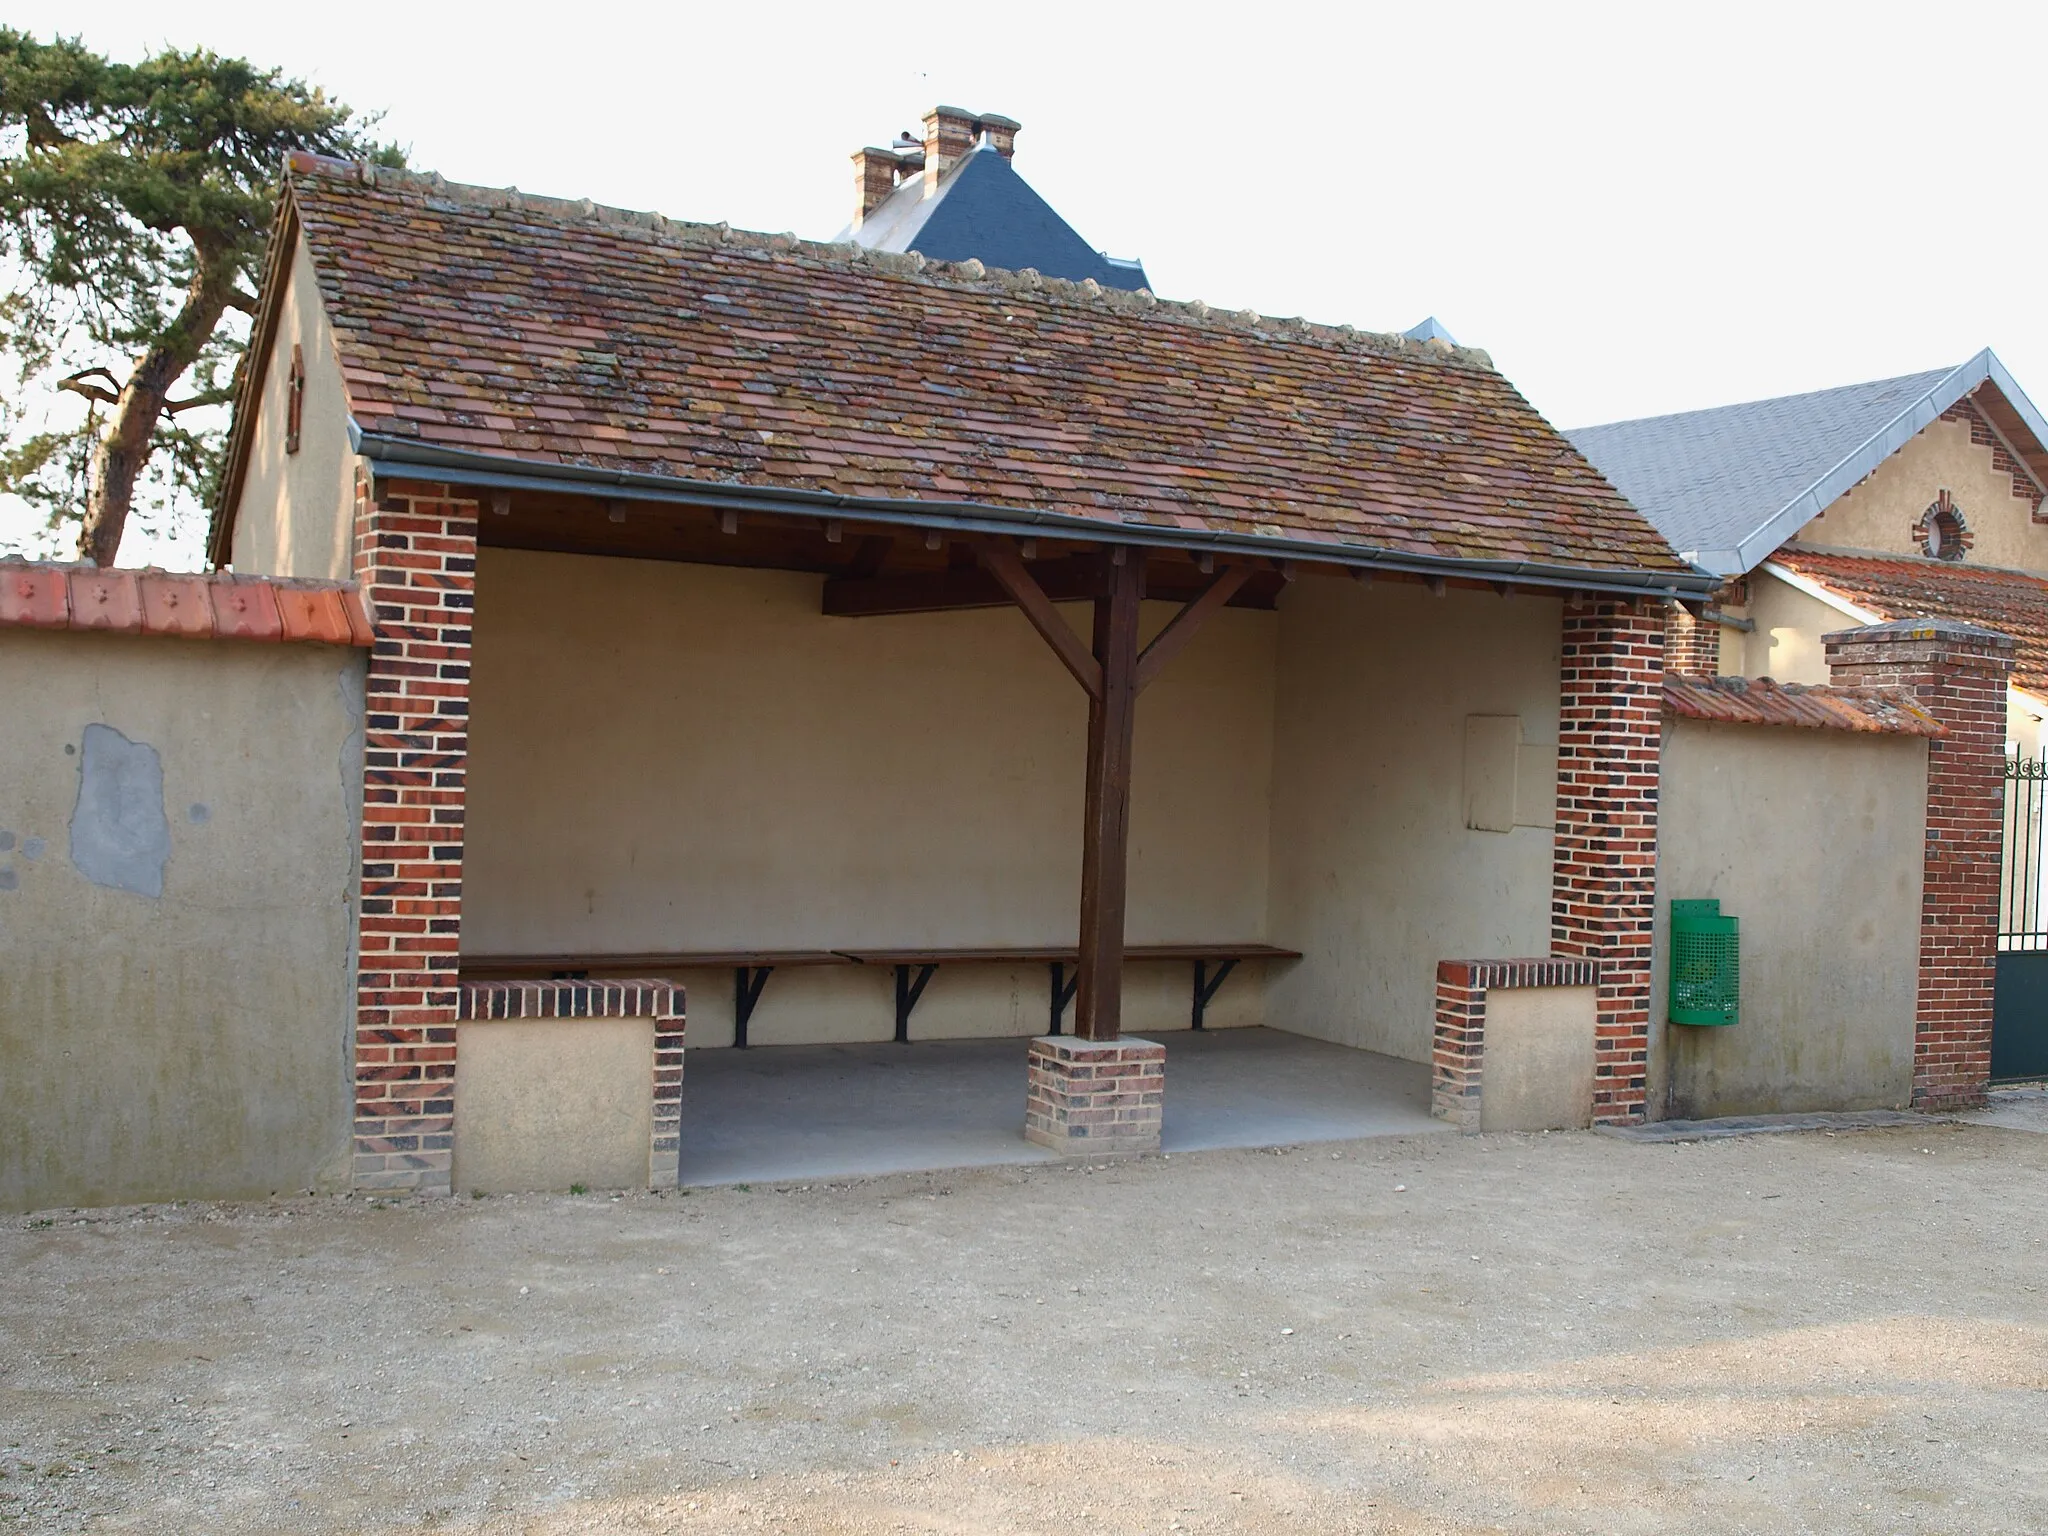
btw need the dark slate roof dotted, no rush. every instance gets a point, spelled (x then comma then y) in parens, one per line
(540, 334)
(1729, 485)
(983, 209)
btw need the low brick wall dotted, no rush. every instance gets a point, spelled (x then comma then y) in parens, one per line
(1458, 1062)
(658, 1001)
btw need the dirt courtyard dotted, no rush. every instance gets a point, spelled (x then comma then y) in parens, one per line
(1504, 1333)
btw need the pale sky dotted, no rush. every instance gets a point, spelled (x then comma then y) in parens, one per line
(1635, 209)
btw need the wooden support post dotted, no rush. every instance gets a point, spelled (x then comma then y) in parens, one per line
(1105, 835)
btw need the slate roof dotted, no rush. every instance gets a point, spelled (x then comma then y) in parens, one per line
(1903, 587)
(538, 333)
(1760, 701)
(1709, 479)
(1729, 485)
(983, 209)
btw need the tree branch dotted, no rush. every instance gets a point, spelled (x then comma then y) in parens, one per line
(77, 385)
(245, 302)
(211, 397)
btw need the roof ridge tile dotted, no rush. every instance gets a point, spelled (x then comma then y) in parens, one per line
(850, 252)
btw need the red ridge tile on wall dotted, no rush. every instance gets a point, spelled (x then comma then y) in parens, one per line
(107, 600)
(37, 596)
(182, 605)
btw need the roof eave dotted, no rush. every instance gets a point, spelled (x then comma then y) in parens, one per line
(394, 457)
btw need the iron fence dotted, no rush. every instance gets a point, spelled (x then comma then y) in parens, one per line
(2022, 912)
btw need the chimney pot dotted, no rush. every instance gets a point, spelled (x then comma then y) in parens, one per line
(875, 174)
(948, 136)
(1002, 132)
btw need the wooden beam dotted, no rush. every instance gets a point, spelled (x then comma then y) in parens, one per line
(859, 593)
(867, 595)
(1007, 566)
(868, 556)
(1106, 828)
(1168, 642)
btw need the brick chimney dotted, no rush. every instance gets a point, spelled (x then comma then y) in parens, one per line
(875, 174)
(1001, 131)
(949, 135)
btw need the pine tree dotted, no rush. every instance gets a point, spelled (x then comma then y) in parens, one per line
(134, 205)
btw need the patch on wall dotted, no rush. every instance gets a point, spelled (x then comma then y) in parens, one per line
(120, 836)
(1509, 782)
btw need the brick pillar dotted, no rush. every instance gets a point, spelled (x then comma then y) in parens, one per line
(1957, 673)
(1604, 859)
(1691, 646)
(415, 558)
(1087, 1096)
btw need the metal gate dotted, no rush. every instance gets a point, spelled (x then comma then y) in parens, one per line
(2019, 1010)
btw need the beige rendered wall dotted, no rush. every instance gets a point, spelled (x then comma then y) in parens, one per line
(671, 757)
(175, 917)
(594, 1124)
(1536, 1073)
(1786, 643)
(1814, 840)
(295, 515)
(1880, 512)
(1376, 877)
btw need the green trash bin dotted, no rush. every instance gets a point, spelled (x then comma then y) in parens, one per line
(1706, 964)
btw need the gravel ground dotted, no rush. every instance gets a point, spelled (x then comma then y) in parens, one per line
(1536, 1333)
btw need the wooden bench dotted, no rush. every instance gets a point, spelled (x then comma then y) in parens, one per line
(750, 970)
(914, 970)
(924, 962)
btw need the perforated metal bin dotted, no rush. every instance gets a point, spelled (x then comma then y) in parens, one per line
(1706, 964)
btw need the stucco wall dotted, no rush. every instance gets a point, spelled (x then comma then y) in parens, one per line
(1814, 840)
(1539, 1059)
(1880, 513)
(1376, 877)
(294, 518)
(175, 917)
(1786, 643)
(594, 1124)
(674, 757)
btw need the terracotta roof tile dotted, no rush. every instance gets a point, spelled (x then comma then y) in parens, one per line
(45, 595)
(562, 333)
(1760, 701)
(1902, 587)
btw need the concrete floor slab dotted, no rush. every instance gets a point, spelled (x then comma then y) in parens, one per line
(826, 1111)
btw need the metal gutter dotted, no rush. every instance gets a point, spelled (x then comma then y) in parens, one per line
(461, 467)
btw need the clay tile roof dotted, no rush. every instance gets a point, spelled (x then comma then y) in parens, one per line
(1907, 587)
(1760, 701)
(561, 333)
(180, 605)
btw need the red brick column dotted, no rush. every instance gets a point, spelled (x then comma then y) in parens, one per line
(1691, 645)
(1604, 859)
(1957, 673)
(415, 559)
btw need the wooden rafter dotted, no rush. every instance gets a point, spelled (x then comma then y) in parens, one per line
(1002, 561)
(1168, 642)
